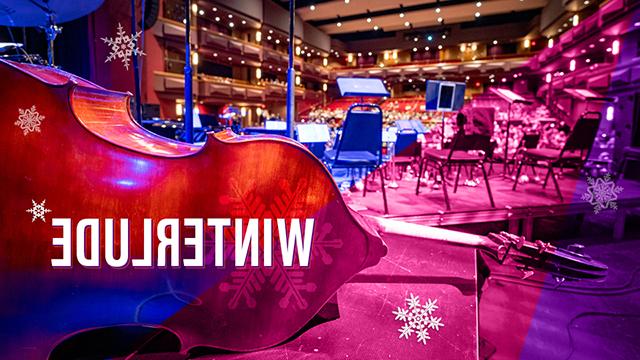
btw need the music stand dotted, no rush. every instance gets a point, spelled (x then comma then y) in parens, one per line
(511, 98)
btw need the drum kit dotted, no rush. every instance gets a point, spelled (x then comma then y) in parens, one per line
(43, 14)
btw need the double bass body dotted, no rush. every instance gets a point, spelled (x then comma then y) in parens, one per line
(72, 147)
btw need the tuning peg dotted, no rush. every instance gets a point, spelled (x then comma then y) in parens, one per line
(527, 272)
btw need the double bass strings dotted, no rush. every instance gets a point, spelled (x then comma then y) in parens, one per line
(91, 243)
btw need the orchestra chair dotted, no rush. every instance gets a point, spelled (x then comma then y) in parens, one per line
(458, 155)
(574, 152)
(359, 145)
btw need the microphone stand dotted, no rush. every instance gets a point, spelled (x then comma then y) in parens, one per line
(291, 73)
(188, 96)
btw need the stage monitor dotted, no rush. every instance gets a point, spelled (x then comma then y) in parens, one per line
(362, 87)
(444, 95)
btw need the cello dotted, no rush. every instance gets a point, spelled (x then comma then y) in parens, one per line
(71, 150)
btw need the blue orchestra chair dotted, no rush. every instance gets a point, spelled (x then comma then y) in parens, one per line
(359, 146)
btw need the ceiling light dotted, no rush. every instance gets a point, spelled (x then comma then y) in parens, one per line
(201, 12)
(231, 24)
(230, 16)
(270, 31)
(444, 36)
(359, 54)
(229, 58)
(615, 47)
(312, 8)
(415, 49)
(401, 14)
(478, 4)
(575, 20)
(241, 61)
(495, 42)
(269, 37)
(429, 37)
(477, 14)
(369, 53)
(586, 2)
(440, 19)
(407, 24)
(527, 43)
(437, 10)
(426, 48)
(439, 47)
(588, 61)
(572, 65)
(277, 41)
(244, 22)
(339, 24)
(215, 9)
(346, 1)
(550, 43)
(375, 27)
(368, 20)
(415, 39)
(217, 18)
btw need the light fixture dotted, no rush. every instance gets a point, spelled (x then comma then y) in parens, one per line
(381, 64)
(550, 43)
(244, 22)
(527, 43)
(575, 20)
(215, 9)
(474, 47)
(195, 58)
(215, 54)
(444, 36)
(429, 37)
(369, 53)
(179, 109)
(437, 10)
(349, 57)
(440, 19)
(229, 58)
(277, 41)
(415, 39)
(615, 47)
(270, 31)
(610, 112)
(572, 65)
(325, 61)
(463, 47)
(407, 24)
(194, 8)
(201, 12)
(439, 47)
(401, 14)
(346, 1)
(415, 49)
(339, 24)
(375, 27)
(243, 111)
(312, 8)
(258, 73)
(547, 78)
(359, 54)
(217, 18)
(478, 4)
(477, 14)
(368, 20)
(258, 111)
(426, 48)
(394, 55)
(258, 36)
(297, 79)
(231, 24)
(495, 42)
(242, 62)
(324, 87)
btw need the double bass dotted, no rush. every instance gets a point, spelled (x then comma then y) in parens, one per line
(70, 149)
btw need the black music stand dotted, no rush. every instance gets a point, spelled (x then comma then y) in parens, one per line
(511, 98)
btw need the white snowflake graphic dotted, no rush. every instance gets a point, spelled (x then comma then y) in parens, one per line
(38, 210)
(418, 318)
(29, 120)
(602, 193)
(123, 46)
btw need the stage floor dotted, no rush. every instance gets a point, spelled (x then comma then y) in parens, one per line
(471, 204)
